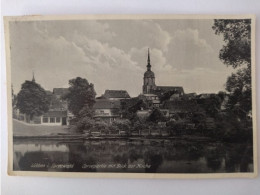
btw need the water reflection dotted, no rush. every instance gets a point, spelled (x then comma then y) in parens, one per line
(152, 156)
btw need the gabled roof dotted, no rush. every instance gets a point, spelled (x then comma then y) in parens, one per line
(60, 91)
(170, 88)
(181, 106)
(49, 93)
(55, 114)
(106, 104)
(116, 94)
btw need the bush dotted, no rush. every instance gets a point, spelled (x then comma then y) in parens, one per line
(122, 124)
(84, 123)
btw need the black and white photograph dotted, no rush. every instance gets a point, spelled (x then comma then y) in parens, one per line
(161, 96)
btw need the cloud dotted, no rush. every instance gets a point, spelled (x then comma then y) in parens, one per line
(138, 34)
(113, 54)
(157, 58)
(56, 59)
(188, 51)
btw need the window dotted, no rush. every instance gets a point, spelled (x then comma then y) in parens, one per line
(45, 120)
(57, 119)
(52, 120)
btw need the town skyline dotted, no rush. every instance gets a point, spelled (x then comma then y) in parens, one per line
(181, 55)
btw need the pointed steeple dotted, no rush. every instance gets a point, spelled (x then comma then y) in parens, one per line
(33, 79)
(148, 61)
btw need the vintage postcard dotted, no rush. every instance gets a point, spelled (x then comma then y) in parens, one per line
(134, 96)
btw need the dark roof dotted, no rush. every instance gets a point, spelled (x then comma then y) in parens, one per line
(116, 94)
(181, 106)
(170, 88)
(48, 92)
(60, 91)
(55, 114)
(106, 104)
(149, 73)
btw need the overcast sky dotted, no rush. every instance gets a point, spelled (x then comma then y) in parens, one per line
(112, 54)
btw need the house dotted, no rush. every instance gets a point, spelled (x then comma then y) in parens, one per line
(190, 96)
(143, 114)
(116, 95)
(166, 112)
(107, 110)
(160, 90)
(206, 95)
(153, 99)
(182, 108)
(60, 92)
(54, 117)
(58, 113)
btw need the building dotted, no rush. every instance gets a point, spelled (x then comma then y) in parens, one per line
(60, 92)
(182, 108)
(116, 95)
(107, 110)
(152, 99)
(149, 86)
(58, 113)
(149, 78)
(54, 117)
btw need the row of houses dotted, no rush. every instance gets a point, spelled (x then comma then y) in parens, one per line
(170, 100)
(108, 106)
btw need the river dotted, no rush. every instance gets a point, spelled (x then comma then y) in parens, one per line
(137, 156)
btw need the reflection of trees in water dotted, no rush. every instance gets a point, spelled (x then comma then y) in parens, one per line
(187, 151)
(79, 155)
(238, 158)
(214, 157)
(134, 155)
(31, 158)
(154, 159)
(120, 158)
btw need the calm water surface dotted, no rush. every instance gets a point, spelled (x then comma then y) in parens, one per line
(157, 156)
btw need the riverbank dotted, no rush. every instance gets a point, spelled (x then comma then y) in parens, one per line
(22, 130)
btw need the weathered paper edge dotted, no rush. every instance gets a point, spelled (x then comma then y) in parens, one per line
(7, 19)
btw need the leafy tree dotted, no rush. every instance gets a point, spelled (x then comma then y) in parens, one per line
(167, 95)
(237, 53)
(129, 107)
(122, 124)
(32, 99)
(237, 36)
(211, 104)
(239, 87)
(81, 96)
(156, 116)
(14, 98)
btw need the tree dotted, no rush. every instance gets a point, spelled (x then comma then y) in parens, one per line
(167, 95)
(237, 53)
(129, 107)
(237, 36)
(14, 98)
(239, 87)
(32, 99)
(156, 116)
(81, 96)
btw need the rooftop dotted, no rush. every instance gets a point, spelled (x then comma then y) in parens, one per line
(60, 91)
(106, 104)
(116, 94)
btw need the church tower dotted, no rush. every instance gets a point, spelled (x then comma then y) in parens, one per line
(149, 78)
(33, 79)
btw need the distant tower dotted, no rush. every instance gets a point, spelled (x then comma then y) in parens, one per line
(149, 78)
(33, 79)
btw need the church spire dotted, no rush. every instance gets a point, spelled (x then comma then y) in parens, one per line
(148, 61)
(33, 79)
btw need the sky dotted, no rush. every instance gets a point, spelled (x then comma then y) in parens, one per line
(112, 54)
